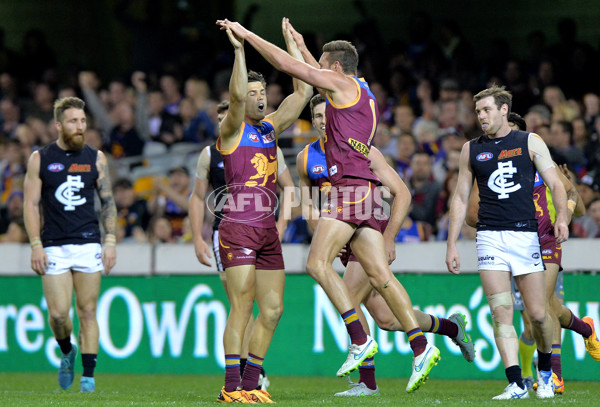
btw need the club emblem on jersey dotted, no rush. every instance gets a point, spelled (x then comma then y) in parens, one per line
(499, 180)
(264, 169)
(484, 156)
(317, 169)
(67, 192)
(253, 137)
(56, 167)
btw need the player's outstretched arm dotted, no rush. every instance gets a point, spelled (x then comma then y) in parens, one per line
(238, 90)
(458, 209)
(196, 207)
(397, 188)
(299, 39)
(31, 214)
(292, 106)
(282, 61)
(108, 212)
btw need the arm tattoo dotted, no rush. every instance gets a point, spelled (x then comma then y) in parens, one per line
(108, 212)
(572, 195)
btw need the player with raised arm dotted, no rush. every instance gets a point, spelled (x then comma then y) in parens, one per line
(249, 245)
(354, 204)
(311, 163)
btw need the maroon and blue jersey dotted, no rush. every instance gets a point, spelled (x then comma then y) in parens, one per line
(251, 176)
(315, 164)
(545, 212)
(349, 131)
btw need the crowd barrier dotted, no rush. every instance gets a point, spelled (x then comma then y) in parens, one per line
(156, 316)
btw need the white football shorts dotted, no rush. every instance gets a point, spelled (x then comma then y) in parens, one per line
(86, 258)
(507, 250)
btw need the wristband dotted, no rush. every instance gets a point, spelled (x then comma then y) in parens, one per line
(35, 243)
(110, 240)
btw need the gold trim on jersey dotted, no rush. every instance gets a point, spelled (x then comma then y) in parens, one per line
(305, 166)
(350, 104)
(232, 149)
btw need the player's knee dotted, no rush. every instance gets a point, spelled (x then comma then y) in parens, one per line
(272, 315)
(87, 314)
(381, 280)
(501, 306)
(537, 317)
(315, 268)
(58, 319)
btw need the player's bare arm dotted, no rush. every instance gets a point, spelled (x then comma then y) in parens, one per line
(108, 212)
(309, 212)
(31, 214)
(291, 107)
(391, 180)
(299, 39)
(473, 207)
(196, 207)
(540, 155)
(458, 209)
(238, 90)
(333, 82)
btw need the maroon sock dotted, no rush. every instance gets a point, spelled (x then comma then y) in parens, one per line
(232, 372)
(252, 372)
(367, 373)
(579, 326)
(417, 340)
(555, 361)
(357, 334)
(443, 326)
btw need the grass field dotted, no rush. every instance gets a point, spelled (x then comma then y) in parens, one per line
(41, 389)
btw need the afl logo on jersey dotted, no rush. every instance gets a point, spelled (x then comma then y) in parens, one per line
(56, 167)
(537, 177)
(253, 137)
(484, 156)
(317, 169)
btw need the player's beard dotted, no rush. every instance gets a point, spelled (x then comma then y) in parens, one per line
(72, 142)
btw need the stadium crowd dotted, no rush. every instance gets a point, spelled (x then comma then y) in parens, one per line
(153, 123)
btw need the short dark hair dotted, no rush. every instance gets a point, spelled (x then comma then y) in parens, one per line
(123, 183)
(499, 93)
(314, 101)
(254, 76)
(223, 106)
(567, 127)
(517, 120)
(343, 52)
(64, 104)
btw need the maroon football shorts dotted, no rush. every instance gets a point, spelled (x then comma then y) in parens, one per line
(242, 245)
(551, 251)
(356, 201)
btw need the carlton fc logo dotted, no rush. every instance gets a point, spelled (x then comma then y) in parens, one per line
(484, 156)
(253, 137)
(317, 169)
(56, 167)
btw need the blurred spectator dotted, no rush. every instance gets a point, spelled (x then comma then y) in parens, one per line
(581, 135)
(424, 189)
(12, 169)
(406, 147)
(404, 119)
(160, 230)
(132, 213)
(413, 231)
(171, 200)
(385, 104)
(169, 85)
(10, 115)
(124, 139)
(384, 140)
(42, 106)
(93, 138)
(591, 103)
(561, 149)
(585, 226)
(12, 212)
(426, 133)
(594, 213)
(15, 233)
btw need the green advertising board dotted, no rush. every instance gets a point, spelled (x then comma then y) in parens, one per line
(174, 324)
